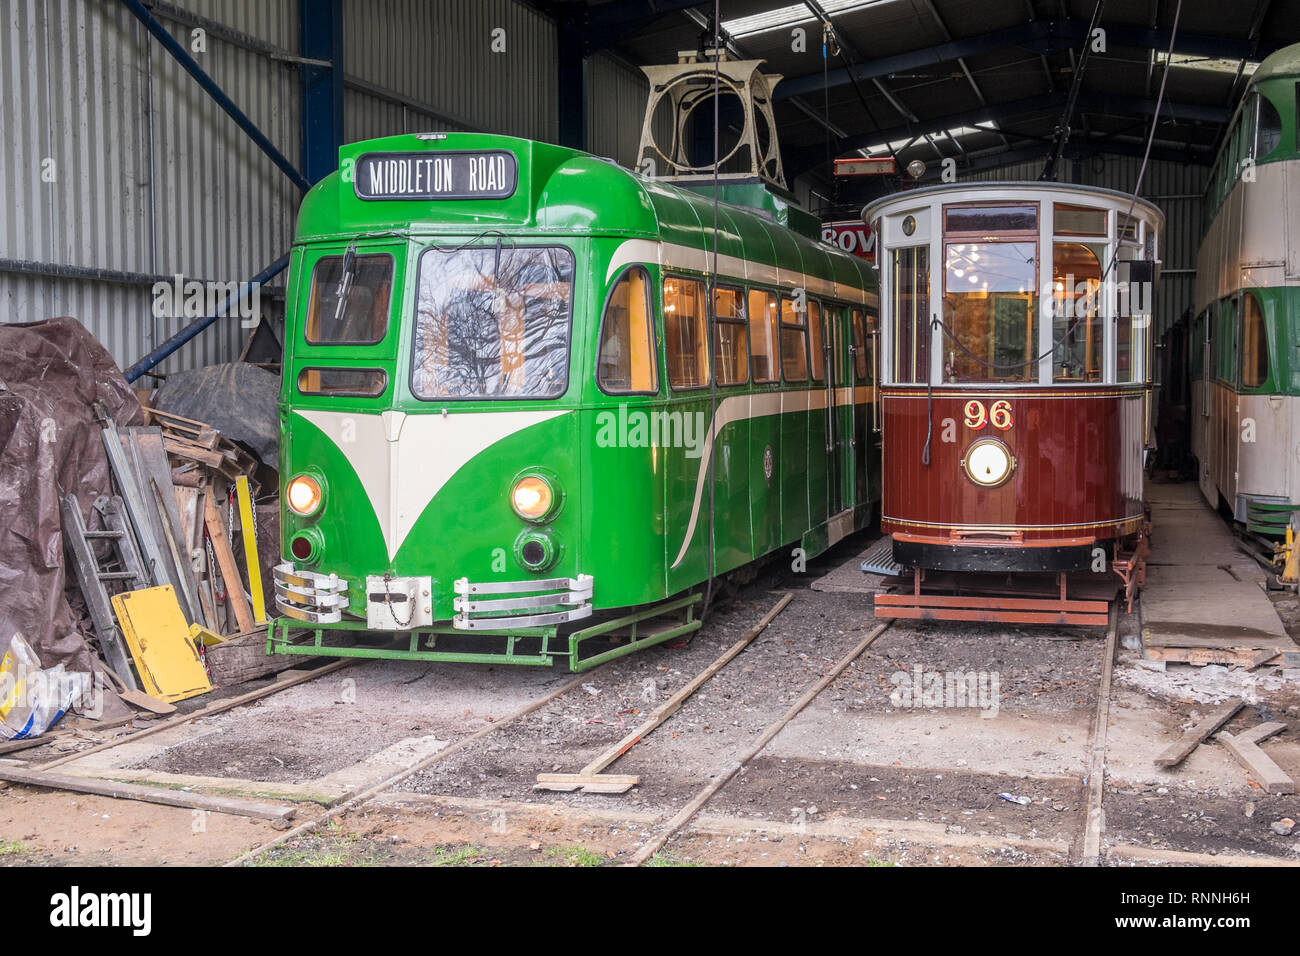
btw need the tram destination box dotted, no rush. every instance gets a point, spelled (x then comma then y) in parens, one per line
(450, 174)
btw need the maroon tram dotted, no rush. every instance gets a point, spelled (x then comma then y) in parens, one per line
(1014, 355)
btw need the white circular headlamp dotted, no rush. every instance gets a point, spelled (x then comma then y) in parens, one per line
(988, 463)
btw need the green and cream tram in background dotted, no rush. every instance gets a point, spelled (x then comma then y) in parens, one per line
(1245, 365)
(513, 421)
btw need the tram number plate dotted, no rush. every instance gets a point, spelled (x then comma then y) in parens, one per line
(481, 174)
(998, 415)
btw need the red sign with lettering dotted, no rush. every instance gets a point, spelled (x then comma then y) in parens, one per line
(854, 237)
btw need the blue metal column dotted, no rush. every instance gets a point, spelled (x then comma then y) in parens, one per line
(320, 38)
(571, 73)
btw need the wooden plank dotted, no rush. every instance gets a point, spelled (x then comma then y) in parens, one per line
(213, 459)
(1199, 655)
(226, 562)
(244, 658)
(1177, 752)
(279, 815)
(143, 450)
(1245, 748)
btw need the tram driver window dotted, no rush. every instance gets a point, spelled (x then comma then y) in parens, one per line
(627, 355)
(990, 311)
(685, 337)
(1076, 309)
(349, 299)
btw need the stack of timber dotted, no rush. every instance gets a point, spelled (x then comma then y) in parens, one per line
(168, 564)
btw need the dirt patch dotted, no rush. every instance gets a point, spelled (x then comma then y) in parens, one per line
(1202, 821)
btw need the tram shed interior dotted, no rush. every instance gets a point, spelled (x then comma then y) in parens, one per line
(989, 170)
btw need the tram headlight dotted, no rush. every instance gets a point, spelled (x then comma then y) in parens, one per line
(304, 495)
(988, 463)
(533, 498)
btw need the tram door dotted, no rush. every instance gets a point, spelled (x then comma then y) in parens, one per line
(840, 464)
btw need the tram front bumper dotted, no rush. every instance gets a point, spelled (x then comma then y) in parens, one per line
(308, 596)
(545, 602)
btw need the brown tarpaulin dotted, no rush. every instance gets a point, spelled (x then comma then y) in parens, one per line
(50, 373)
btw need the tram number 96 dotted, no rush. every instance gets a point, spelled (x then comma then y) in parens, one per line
(999, 414)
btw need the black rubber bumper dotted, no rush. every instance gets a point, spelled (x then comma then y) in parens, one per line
(977, 557)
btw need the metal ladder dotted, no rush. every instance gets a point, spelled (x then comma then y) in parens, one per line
(123, 565)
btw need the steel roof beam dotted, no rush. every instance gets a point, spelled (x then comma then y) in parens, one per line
(1040, 36)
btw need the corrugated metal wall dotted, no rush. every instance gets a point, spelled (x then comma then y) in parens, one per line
(1174, 187)
(616, 98)
(187, 193)
(439, 57)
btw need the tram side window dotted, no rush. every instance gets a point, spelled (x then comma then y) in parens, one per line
(685, 333)
(627, 355)
(730, 348)
(349, 300)
(1254, 346)
(816, 352)
(990, 310)
(1076, 308)
(764, 323)
(794, 346)
(1269, 131)
(911, 294)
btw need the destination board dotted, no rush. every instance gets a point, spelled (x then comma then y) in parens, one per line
(490, 174)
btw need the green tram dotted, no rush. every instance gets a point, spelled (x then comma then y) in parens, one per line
(512, 421)
(1244, 364)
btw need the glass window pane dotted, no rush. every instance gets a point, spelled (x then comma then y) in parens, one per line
(911, 292)
(493, 322)
(627, 355)
(990, 220)
(358, 382)
(794, 346)
(1269, 133)
(990, 311)
(1076, 312)
(351, 308)
(859, 347)
(1254, 341)
(685, 336)
(730, 345)
(764, 321)
(1079, 220)
(816, 355)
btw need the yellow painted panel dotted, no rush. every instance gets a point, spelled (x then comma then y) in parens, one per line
(165, 655)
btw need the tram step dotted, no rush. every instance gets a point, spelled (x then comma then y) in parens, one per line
(879, 559)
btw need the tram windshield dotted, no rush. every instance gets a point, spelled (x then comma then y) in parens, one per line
(990, 307)
(493, 322)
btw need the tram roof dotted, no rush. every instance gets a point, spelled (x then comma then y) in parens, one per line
(1283, 63)
(563, 192)
(1027, 190)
